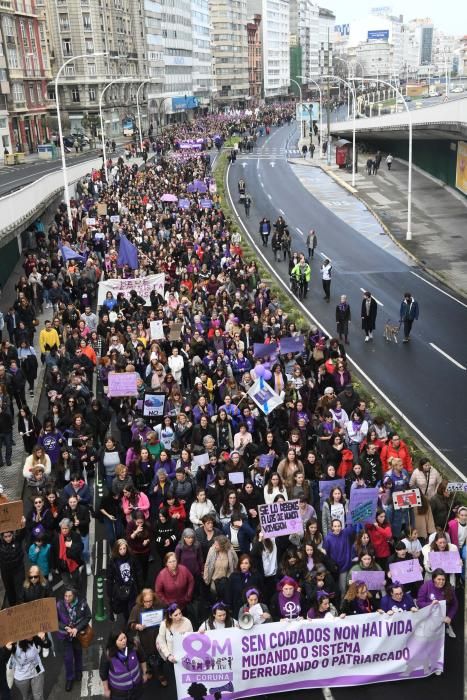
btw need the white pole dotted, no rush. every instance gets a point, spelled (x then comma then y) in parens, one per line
(320, 116)
(139, 115)
(351, 90)
(408, 235)
(302, 134)
(60, 130)
(104, 150)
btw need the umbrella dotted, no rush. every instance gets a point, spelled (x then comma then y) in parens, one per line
(169, 198)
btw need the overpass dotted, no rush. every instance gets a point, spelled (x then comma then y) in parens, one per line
(446, 120)
(437, 131)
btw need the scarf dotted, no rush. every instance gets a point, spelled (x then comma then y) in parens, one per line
(356, 425)
(70, 564)
(289, 607)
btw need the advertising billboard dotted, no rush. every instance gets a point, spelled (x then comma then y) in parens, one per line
(378, 35)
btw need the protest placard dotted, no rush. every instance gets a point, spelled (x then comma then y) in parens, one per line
(115, 218)
(261, 350)
(325, 488)
(363, 504)
(91, 221)
(406, 499)
(280, 519)
(123, 384)
(198, 461)
(293, 344)
(450, 562)
(236, 477)
(264, 396)
(102, 209)
(406, 571)
(266, 461)
(11, 514)
(374, 580)
(143, 286)
(26, 620)
(454, 486)
(175, 331)
(153, 404)
(157, 330)
(276, 657)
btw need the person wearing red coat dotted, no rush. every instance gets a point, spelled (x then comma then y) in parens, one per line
(174, 584)
(396, 447)
(380, 536)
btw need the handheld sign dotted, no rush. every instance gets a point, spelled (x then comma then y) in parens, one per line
(406, 571)
(450, 562)
(406, 499)
(280, 519)
(374, 580)
(454, 486)
(363, 504)
(11, 514)
(26, 620)
(123, 384)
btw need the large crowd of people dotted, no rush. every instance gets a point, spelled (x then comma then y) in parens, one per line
(182, 490)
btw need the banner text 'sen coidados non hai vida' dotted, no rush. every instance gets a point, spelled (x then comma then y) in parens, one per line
(280, 656)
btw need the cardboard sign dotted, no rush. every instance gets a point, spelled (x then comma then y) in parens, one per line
(406, 499)
(102, 209)
(278, 519)
(25, 621)
(266, 461)
(236, 477)
(363, 504)
(91, 221)
(10, 516)
(123, 384)
(450, 562)
(175, 331)
(153, 405)
(374, 580)
(454, 486)
(115, 218)
(157, 330)
(199, 461)
(406, 571)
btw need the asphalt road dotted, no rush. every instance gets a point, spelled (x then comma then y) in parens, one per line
(421, 381)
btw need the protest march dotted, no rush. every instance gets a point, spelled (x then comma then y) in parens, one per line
(263, 529)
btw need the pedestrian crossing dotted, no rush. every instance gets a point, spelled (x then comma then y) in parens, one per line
(269, 154)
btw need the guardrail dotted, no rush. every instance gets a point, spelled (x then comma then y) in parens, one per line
(20, 207)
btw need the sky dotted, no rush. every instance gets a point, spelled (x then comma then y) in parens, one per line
(450, 16)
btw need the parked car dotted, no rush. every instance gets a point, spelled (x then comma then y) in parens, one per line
(458, 88)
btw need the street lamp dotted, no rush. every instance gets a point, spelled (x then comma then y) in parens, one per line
(60, 131)
(103, 91)
(301, 106)
(310, 80)
(352, 90)
(408, 235)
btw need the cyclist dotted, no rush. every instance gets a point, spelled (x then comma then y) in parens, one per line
(301, 275)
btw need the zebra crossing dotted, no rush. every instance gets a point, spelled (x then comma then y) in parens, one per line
(269, 154)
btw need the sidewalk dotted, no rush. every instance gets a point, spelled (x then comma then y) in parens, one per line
(439, 215)
(31, 158)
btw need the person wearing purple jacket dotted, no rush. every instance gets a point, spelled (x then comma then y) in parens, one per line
(338, 546)
(396, 599)
(439, 588)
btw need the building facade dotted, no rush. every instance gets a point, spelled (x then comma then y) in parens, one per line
(24, 73)
(304, 38)
(230, 51)
(202, 54)
(255, 59)
(326, 23)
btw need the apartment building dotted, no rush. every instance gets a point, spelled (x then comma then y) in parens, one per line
(255, 59)
(304, 32)
(24, 73)
(229, 42)
(202, 54)
(275, 44)
(77, 30)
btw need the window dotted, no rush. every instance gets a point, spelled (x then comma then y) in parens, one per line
(67, 47)
(75, 95)
(18, 92)
(9, 27)
(64, 21)
(89, 44)
(87, 21)
(51, 92)
(92, 95)
(69, 71)
(92, 69)
(13, 58)
(32, 93)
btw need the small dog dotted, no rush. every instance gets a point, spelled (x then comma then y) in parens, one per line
(391, 331)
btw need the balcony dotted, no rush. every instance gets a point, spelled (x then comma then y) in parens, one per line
(4, 87)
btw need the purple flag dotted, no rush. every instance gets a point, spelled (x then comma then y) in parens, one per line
(261, 350)
(127, 254)
(70, 254)
(295, 343)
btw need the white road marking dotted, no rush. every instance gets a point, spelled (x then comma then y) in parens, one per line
(57, 586)
(244, 165)
(272, 164)
(104, 557)
(300, 231)
(282, 212)
(324, 256)
(448, 357)
(359, 369)
(380, 303)
(439, 289)
(269, 196)
(257, 165)
(327, 694)
(91, 684)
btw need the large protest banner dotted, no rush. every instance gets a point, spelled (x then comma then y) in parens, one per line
(280, 657)
(143, 286)
(280, 519)
(24, 621)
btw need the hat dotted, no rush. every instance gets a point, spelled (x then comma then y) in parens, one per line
(328, 390)
(348, 387)
(287, 581)
(38, 467)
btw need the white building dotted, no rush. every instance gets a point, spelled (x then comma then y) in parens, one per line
(304, 26)
(326, 23)
(202, 53)
(230, 50)
(376, 41)
(275, 44)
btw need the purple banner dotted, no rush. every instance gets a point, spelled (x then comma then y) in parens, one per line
(261, 350)
(292, 344)
(123, 384)
(278, 519)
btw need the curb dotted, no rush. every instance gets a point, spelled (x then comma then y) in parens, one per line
(384, 226)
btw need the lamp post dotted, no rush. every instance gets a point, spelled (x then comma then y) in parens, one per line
(408, 235)
(338, 58)
(60, 131)
(138, 112)
(302, 135)
(310, 80)
(101, 96)
(351, 90)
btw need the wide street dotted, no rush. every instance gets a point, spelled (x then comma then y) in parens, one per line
(418, 378)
